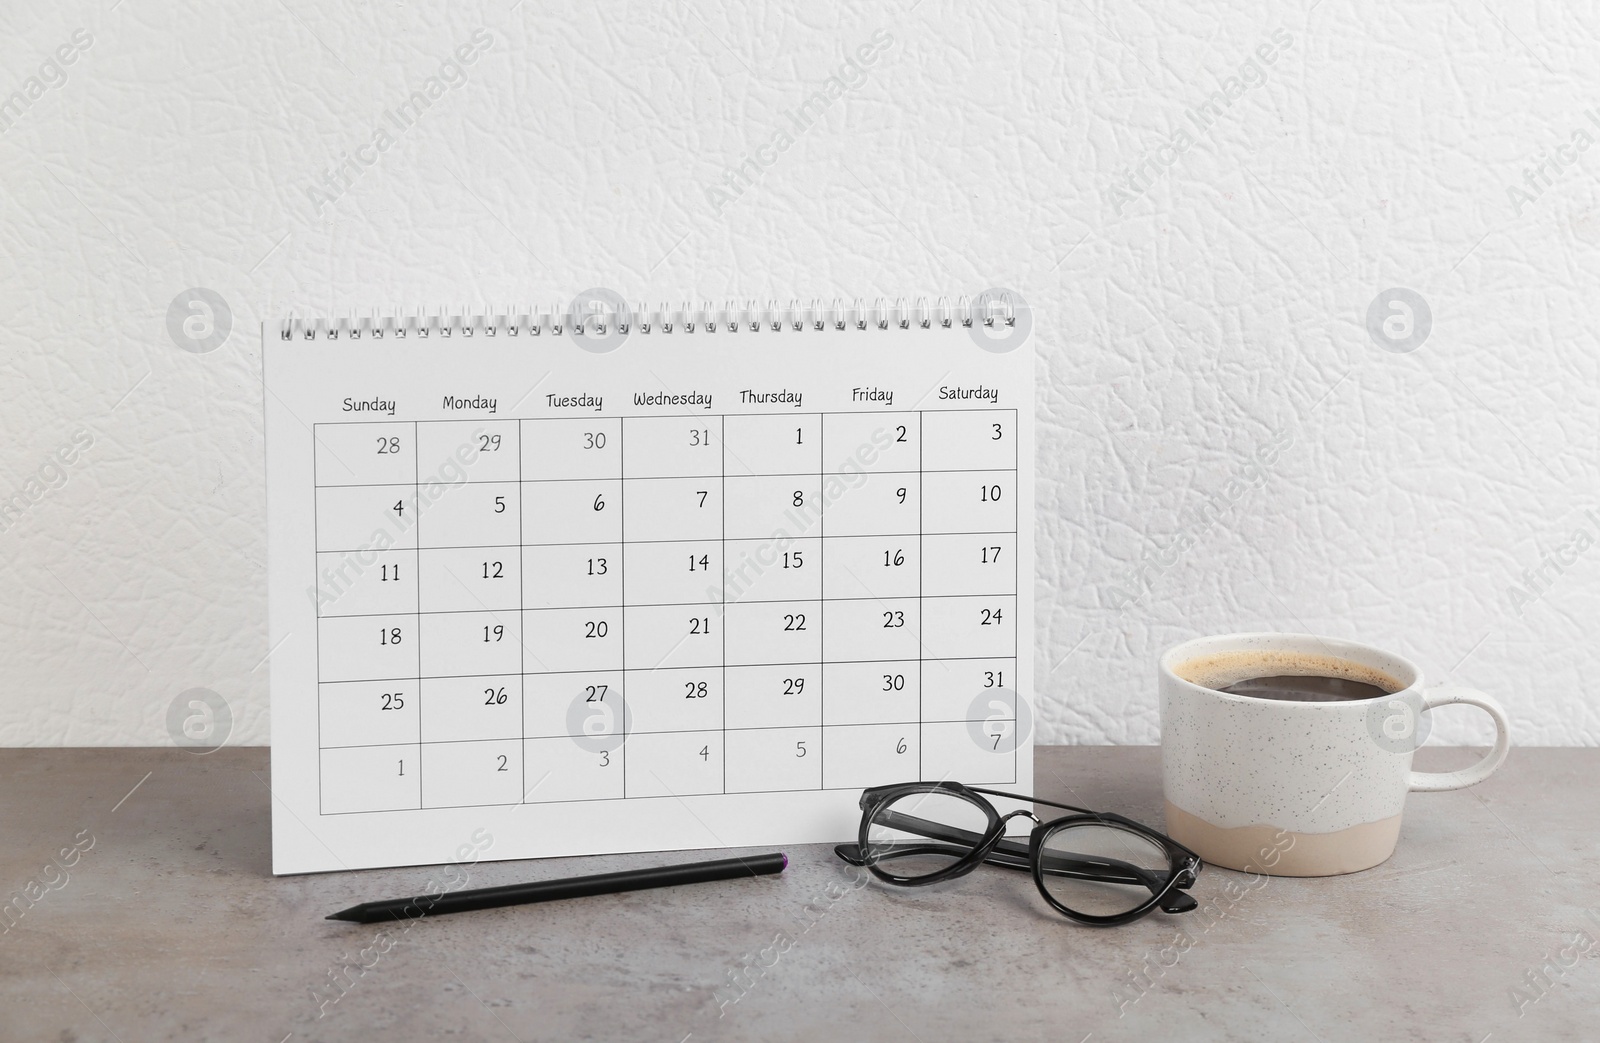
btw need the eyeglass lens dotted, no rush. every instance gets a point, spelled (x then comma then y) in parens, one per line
(919, 834)
(1102, 869)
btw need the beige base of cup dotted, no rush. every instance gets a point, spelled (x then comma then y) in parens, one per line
(1281, 852)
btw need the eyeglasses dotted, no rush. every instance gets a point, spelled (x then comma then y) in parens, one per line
(1095, 867)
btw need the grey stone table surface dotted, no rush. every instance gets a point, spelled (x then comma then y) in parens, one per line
(148, 911)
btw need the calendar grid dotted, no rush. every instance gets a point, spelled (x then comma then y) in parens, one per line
(849, 560)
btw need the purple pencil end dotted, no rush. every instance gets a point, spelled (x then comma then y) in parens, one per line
(785, 860)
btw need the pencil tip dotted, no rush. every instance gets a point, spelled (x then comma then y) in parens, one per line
(343, 914)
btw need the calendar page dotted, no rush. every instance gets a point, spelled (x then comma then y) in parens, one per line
(533, 599)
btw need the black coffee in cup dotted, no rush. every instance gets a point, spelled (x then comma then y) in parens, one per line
(1288, 677)
(1305, 688)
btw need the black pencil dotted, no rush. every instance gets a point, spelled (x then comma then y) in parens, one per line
(552, 890)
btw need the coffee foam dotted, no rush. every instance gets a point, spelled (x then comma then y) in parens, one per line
(1221, 669)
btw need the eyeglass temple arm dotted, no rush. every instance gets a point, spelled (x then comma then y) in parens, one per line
(1172, 899)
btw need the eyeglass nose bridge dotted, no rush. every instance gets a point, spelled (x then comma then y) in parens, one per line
(999, 835)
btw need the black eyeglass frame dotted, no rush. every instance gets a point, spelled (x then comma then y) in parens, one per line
(1170, 894)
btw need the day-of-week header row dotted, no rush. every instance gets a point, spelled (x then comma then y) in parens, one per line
(588, 402)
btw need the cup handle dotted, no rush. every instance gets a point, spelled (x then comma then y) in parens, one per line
(1445, 695)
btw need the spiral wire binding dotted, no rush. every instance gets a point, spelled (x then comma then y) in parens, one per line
(598, 318)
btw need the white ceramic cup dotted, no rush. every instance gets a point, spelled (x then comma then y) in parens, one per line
(1298, 788)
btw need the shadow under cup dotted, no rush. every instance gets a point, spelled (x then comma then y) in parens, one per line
(1286, 788)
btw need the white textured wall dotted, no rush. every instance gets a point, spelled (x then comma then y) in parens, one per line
(1206, 326)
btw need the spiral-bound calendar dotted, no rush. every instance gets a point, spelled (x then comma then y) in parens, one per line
(604, 578)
